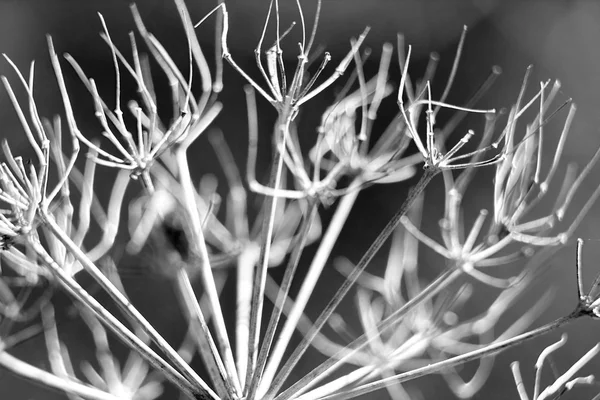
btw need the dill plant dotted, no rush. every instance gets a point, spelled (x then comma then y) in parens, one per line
(410, 328)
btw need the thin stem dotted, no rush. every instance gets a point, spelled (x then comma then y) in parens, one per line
(540, 362)
(201, 335)
(72, 387)
(75, 290)
(282, 295)
(338, 71)
(126, 306)
(246, 262)
(345, 288)
(333, 363)
(308, 284)
(579, 267)
(230, 60)
(314, 28)
(492, 349)
(459, 50)
(260, 270)
(199, 248)
(514, 366)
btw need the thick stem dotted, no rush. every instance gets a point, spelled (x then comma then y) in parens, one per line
(354, 274)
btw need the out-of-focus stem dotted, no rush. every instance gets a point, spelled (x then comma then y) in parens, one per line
(244, 285)
(492, 349)
(30, 372)
(73, 288)
(345, 288)
(332, 364)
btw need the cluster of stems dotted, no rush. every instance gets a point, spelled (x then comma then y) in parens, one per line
(409, 327)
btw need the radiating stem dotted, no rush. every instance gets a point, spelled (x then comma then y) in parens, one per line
(333, 363)
(75, 290)
(308, 284)
(436, 367)
(413, 194)
(71, 387)
(260, 270)
(201, 335)
(198, 245)
(282, 295)
(246, 262)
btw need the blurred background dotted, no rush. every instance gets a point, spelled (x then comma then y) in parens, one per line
(558, 37)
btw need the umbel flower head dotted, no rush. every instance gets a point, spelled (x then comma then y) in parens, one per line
(351, 152)
(287, 98)
(139, 146)
(519, 184)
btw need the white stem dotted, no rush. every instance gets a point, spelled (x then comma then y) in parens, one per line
(260, 273)
(318, 263)
(126, 306)
(199, 247)
(246, 262)
(46, 378)
(75, 290)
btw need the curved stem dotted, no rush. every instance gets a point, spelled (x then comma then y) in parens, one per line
(125, 305)
(492, 349)
(333, 363)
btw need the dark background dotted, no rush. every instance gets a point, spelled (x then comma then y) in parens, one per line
(559, 37)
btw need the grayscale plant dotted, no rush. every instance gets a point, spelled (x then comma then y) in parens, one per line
(408, 326)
